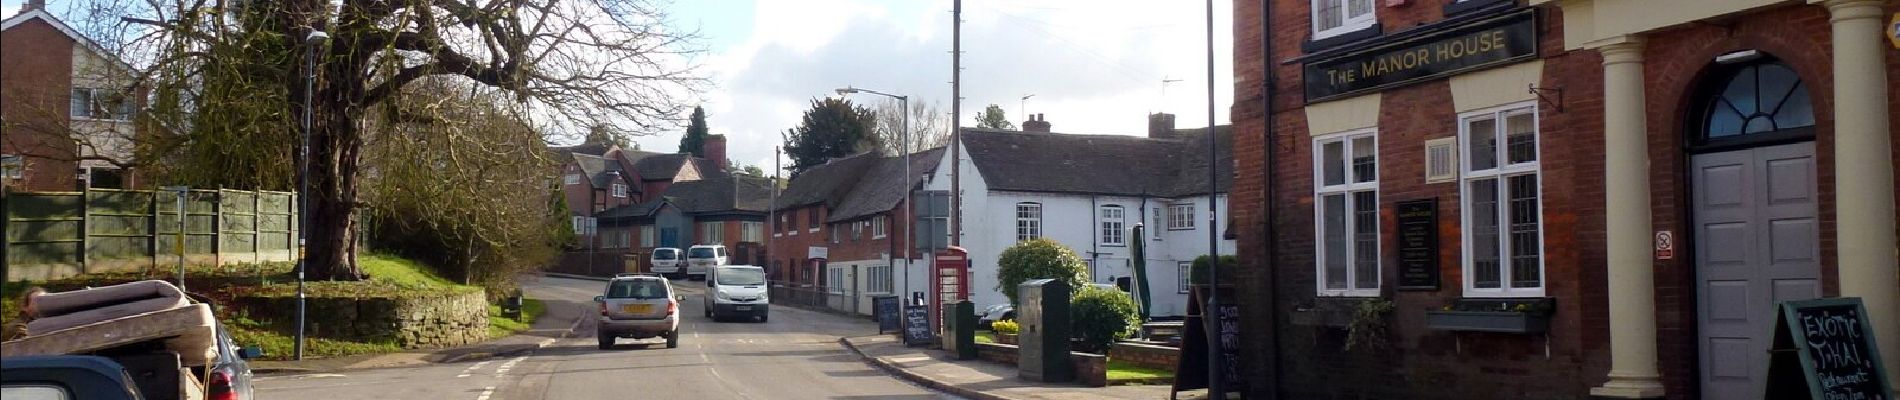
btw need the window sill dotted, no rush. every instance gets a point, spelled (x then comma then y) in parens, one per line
(1466, 6)
(1329, 41)
(1113, 245)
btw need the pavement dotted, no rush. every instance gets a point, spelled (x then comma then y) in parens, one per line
(984, 380)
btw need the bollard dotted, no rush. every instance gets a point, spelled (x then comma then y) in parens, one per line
(965, 324)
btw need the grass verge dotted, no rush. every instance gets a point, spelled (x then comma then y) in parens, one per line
(985, 337)
(499, 326)
(1122, 370)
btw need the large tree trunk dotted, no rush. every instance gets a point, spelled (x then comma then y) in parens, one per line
(336, 145)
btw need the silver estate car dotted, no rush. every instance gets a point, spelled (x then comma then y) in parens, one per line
(639, 307)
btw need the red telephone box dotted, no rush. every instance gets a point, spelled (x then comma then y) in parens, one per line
(952, 283)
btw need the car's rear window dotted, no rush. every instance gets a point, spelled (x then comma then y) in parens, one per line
(637, 289)
(666, 254)
(741, 276)
(700, 252)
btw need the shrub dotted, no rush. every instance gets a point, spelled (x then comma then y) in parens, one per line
(1006, 327)
(1100, 316)
(1198, 272)
(1038, 259)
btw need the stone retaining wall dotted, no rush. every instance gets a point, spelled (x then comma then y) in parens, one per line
(1146, 354)
(450, 319)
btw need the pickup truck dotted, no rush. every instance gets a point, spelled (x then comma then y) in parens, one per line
(166, 343)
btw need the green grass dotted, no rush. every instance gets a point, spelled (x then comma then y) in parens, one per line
(278, 346)
(1122, 370)
(400, 272)
(985, 337)
(498, 326)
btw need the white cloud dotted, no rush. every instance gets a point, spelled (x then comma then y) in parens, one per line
(1094, 67)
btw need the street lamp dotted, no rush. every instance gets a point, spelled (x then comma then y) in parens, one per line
(311, 41)
(903, 105)
(1020, 109)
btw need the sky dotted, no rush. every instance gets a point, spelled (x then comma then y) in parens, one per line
(1094, 67)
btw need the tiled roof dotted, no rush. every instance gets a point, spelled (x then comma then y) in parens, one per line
(601, 172)
(656, 166)
(826, 184)
(721, 193)
(1099, 164)
(882, 186)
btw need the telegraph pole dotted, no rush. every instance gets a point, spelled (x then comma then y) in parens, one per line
(1216, 380)
(956, 123)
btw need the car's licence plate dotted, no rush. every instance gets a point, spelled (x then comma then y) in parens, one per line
(637, 308)
(743, 308)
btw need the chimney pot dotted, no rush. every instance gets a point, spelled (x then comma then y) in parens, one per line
(1036, 123)
(33, 5)
(716, 150)
(1161, 126)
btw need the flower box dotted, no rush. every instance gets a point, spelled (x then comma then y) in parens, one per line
(1006, 338)
(1487, 321)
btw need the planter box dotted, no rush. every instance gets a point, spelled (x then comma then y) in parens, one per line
(1005, 338)
(1487, 321)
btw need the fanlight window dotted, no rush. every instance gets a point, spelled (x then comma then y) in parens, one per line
(1759, 98)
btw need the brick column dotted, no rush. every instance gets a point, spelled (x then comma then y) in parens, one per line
(1632, 280)
(1863, 171)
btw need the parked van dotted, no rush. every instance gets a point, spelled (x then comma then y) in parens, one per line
(701, 258)
(736, 291)
(666, 261)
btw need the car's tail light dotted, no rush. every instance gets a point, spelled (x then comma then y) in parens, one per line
(672, 307)
(220, 387)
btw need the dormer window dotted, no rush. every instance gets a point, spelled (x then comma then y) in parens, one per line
(1336, 17)
(620, 190)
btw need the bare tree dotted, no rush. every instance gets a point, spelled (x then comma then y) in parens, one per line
(929, 127)
(571, 64)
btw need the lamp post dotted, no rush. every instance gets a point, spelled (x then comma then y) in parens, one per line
(1021, 106)
(903, 105)
(311, 41)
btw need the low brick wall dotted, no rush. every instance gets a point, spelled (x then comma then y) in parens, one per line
(451, 319)
(992, 352)
(1151, 355)
(1090, 369)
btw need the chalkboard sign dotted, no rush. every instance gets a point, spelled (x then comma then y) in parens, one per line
(1229, 322)
(1418, 244)
(1824, 350)
(917, 326)
(886, 309)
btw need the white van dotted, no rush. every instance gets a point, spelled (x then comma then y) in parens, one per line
(736, 291)
(701, 258)
(666, 261)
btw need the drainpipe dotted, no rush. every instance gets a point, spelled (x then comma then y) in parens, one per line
(1095, 243)
(1271, 147)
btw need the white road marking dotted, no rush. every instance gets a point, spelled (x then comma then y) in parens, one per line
(487, 391)
(471, 369)
(546, 342)
(503, 370)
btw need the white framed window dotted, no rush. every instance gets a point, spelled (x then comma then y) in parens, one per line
(1181, 215)
(1114, 219)
(12, 166)
(752, 231)
(834, 234)
(1500, 195)
(1335, 17)
(791, 228)
(571, 179)
(712, 232)
(812, 214)
(1346, 205)
(1160, 223)
(647, 238)
(620, 190)
(879, 277)
(878, 226)
(835, 279)
(100, 104)
(1184, 269)
(857, 230)
(1028, 221)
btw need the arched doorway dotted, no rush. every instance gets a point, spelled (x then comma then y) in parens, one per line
(1753, 214)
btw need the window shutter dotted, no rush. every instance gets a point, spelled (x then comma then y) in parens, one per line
(1441, 160)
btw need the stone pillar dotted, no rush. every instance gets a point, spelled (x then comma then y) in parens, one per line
(1632, 279)
(1863, 171)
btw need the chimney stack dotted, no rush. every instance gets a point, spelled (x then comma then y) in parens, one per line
(1161, 126)
(716, 150)
(1036, 123)
(33, 5)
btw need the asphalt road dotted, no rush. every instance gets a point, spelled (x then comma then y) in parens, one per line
(795, 356)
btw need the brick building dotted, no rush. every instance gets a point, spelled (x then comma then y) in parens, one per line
(1645, 178)
(66, 107)
(626, 202)
(840, 229)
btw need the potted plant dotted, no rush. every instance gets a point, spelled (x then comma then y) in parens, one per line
(1529, 316)
(1006, 331)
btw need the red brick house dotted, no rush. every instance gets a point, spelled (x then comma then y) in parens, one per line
(66, 107)
(618, 194)
(840, 225)
(1637, 183)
